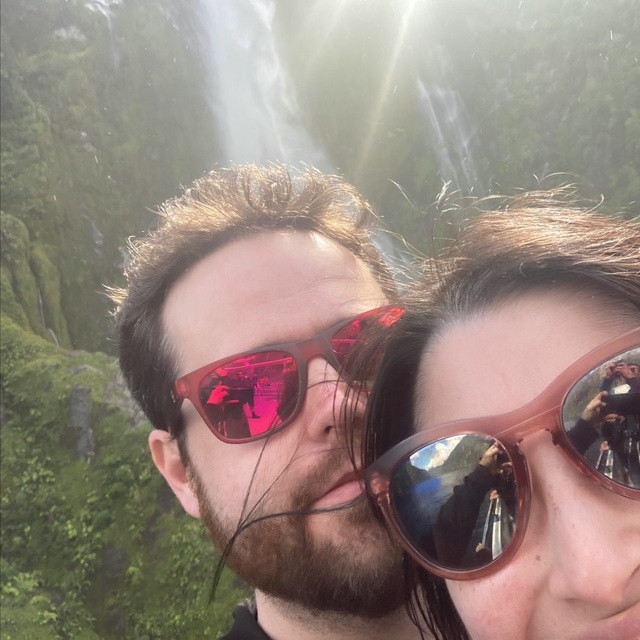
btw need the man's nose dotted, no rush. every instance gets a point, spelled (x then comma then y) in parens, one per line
(591, 535)
(329, 402)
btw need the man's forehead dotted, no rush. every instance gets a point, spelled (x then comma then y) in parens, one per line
(268, 288)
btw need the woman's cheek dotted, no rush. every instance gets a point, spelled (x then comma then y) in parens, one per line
(490, 609)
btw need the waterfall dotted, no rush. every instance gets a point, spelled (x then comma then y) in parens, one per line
(454, 141)
(254, 100)
(96, 236)
(397, 255)
(251, 93)
(104, 7)
(452, 135)
(108, 9)
(41, 309)
(50, 331)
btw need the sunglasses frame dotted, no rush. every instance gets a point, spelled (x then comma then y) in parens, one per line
(188, 386)
(543, 413)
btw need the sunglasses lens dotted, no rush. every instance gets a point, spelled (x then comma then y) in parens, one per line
(455, 501)
(249, 396)
(601, 414)
(349, 344)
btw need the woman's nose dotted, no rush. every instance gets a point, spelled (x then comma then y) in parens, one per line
(591, 535)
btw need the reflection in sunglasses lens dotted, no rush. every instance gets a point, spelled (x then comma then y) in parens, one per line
(246, 397)
(601, 417)
(455, 500)
(348, 340)
(249, 396)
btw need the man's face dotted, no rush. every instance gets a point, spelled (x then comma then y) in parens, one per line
(272, 288)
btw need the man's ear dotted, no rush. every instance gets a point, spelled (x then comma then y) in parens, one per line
(166, 456)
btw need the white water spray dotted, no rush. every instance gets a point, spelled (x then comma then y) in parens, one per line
(251, 92)
(452, 136)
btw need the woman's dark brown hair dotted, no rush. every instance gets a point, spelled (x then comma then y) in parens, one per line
(541, 240)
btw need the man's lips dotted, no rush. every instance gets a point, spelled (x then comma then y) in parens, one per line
(346, 488)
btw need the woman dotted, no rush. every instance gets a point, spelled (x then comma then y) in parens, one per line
(503, 431)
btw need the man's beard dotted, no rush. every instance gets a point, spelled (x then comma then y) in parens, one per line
(358, 572)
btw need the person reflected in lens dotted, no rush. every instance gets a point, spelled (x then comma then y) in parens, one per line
(499, 526)
(476, 512)
(286, 391)
(623, 375)
(520, 304)
(247, 389)
(225, 404)
(622, 419)
(607, 432)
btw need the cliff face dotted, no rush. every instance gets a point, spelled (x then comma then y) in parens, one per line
(102, 117)
(93, 544)
(107, 107)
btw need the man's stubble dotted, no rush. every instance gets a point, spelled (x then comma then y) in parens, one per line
(357, 572)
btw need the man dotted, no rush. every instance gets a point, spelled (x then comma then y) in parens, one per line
(248, 258)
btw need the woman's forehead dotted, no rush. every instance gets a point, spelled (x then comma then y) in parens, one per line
(503, 357)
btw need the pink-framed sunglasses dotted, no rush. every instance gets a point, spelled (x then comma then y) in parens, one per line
(457, 495)
(250, 395)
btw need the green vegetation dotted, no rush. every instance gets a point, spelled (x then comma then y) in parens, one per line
(103, 116)
(551, 86)
(93, 546)
(102, 119)
(31, 283)
(98, 127)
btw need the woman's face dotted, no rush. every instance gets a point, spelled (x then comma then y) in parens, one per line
(577, 572)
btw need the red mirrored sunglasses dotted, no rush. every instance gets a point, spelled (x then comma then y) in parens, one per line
(250, 395)
(457, 495)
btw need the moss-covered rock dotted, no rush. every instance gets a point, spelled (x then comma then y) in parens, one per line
(101, 120)
(10, 306)
(48, 281)
(16, 260)
(93, 544)
(31, 283)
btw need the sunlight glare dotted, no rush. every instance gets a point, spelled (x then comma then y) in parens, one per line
(380, 102)
(328, 15)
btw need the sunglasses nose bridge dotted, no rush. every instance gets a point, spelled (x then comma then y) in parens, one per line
(317, 346)
(518, 432)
